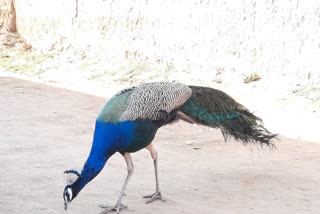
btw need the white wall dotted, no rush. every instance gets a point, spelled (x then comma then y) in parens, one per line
(218, 38)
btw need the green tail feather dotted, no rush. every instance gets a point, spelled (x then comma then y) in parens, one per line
(216, 109)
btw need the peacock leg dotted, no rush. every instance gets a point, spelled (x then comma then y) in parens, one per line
(119, 206)
(157, 195)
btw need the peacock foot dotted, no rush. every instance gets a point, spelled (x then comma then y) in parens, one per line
(155, 196)
(116, 208)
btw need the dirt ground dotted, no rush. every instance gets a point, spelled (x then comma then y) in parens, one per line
(46, 130)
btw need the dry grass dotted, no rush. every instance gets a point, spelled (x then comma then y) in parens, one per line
(252, 78)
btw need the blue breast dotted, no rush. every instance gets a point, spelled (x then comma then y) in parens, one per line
(128, 136)
(109, 138)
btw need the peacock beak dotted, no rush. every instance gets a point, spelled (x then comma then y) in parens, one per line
(65, 205)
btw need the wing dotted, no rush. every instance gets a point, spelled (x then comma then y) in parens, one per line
(149, 100)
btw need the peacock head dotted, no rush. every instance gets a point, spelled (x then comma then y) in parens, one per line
(71, 190)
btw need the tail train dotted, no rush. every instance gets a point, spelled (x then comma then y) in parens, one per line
(216, 109)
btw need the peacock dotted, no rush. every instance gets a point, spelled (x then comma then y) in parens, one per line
(130, 119)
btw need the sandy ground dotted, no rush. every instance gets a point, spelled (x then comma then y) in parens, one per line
(46, 130)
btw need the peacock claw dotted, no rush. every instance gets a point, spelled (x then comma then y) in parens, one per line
(155, 196)
(117, 208)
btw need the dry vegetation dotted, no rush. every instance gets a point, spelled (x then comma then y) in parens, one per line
(255, 50)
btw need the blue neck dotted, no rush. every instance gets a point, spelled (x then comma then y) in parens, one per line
(108, 139)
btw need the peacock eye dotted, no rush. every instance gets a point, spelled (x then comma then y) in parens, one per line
(68, 194)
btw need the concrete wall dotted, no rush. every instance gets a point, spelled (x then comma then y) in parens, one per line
(209, 39)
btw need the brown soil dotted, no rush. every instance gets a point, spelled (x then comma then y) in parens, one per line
(45, 130)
